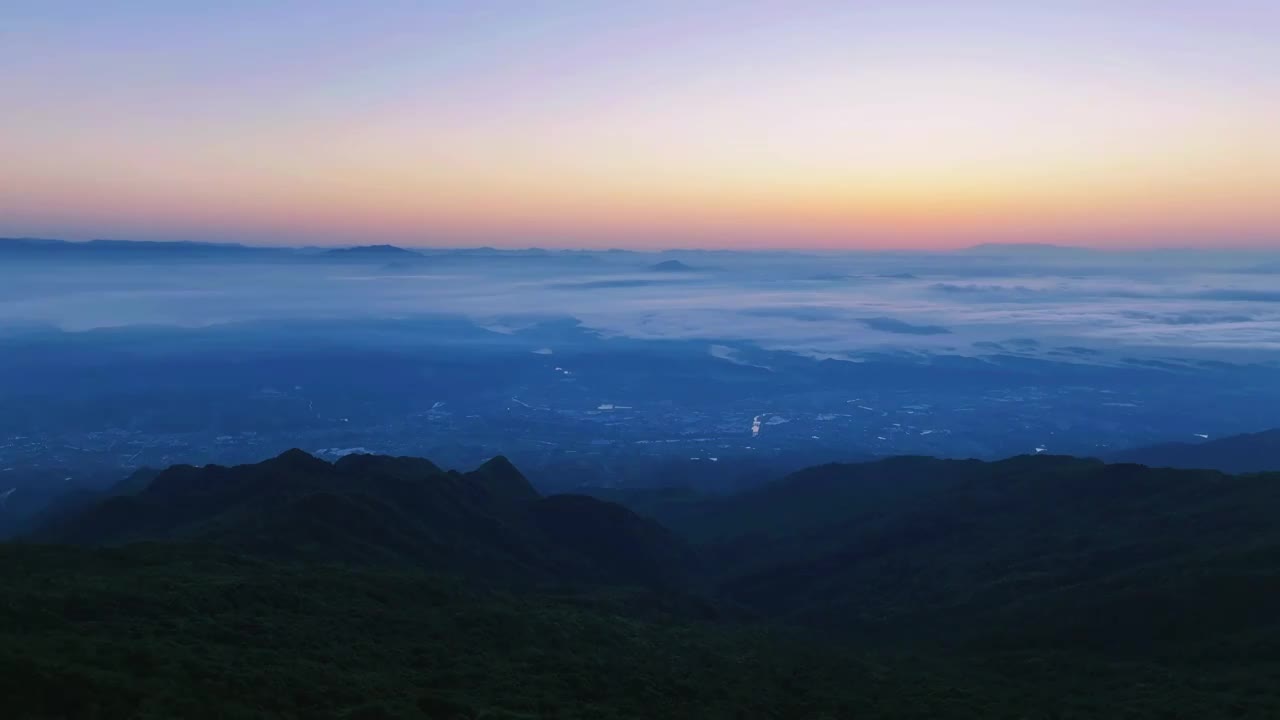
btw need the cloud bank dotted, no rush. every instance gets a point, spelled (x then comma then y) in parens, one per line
(1088, 308)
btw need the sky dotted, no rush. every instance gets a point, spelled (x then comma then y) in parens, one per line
(801, 124)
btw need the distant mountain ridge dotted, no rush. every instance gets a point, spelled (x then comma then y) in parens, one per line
(1028, 249)
(129, 249)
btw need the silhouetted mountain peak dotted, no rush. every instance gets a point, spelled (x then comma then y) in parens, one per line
(497, 464)
(298, 459)
(500, 477)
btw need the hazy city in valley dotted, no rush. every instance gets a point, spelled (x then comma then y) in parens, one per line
(600, 367)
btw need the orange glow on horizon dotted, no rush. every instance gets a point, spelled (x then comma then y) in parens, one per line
(780, 134)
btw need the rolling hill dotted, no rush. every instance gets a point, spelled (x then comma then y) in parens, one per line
(964, 553)
(1254, 452)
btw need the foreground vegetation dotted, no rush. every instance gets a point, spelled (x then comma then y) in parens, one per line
(165, 631)
(1038, 588)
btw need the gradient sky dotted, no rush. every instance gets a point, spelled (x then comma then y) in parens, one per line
(651, 124)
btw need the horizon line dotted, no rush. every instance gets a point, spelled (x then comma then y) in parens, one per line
(816, 249)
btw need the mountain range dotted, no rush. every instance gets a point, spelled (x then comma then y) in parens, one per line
(1038, 586)
(42, 248)
(393, 511)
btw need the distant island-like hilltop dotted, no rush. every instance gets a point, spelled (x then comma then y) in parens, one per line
(379, 251)
(672, 266)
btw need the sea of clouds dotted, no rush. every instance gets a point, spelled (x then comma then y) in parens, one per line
(1076, 305)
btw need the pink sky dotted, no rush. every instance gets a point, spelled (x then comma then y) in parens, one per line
(749, 124)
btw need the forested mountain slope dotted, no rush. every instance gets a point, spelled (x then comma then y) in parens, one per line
(1036, 587)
